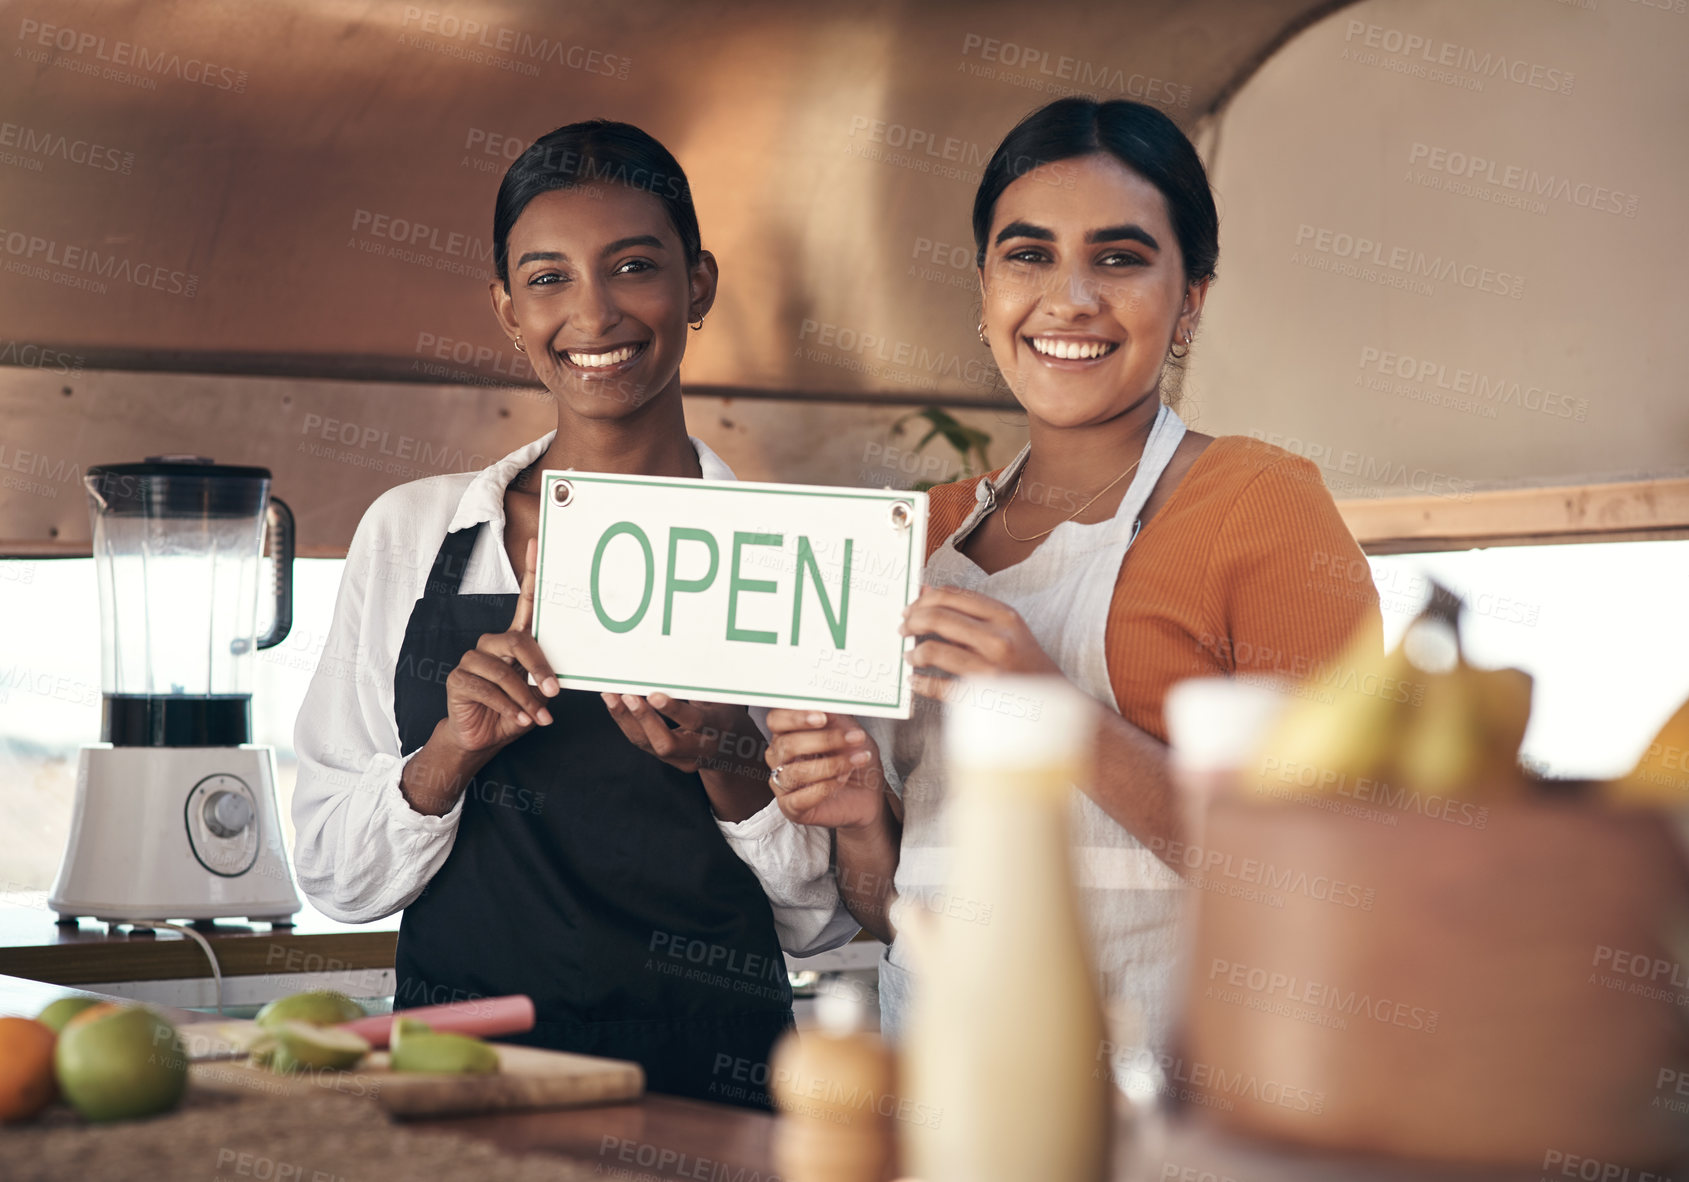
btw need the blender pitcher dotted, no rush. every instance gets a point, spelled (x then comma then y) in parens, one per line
(178, 543)
(175, 813)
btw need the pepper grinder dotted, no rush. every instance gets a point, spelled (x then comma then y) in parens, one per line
(835, 1088)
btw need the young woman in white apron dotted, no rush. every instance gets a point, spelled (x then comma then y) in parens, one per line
(1097, 240)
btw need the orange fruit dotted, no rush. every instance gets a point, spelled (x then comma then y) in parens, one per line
(26, 1068)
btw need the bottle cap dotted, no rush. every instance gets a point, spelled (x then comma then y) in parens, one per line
(1015, 720)
(1217, 724)
(839, 1008)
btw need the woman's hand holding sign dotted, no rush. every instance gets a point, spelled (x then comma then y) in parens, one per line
(704, 734)
(489, 704)
(720, 743)
(964, 632)
(827, 772)
(827, 769)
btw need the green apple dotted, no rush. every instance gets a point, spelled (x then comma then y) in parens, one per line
(59, 1012)
(120, 1062)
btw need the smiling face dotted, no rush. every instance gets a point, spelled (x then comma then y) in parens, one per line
(600, 293)
(1084, 289)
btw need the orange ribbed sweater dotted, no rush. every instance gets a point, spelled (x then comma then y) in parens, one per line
(1247, 568)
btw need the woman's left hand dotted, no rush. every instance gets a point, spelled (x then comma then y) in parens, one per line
(965, 632)
(705, 734)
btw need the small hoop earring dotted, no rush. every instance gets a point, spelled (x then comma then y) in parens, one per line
(520, 347)
(982, 339)
(696, 327)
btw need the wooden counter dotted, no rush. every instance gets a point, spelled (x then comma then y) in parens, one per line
(33, 945)
(662, 1137)
(659, 1137)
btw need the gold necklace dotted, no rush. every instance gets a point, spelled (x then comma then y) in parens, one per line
(1034, 537)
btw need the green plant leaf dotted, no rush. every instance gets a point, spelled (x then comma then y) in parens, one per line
(967, 442)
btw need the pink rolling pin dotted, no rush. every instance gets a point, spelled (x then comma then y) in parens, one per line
(483, 1017)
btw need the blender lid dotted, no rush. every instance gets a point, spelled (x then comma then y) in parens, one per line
(178, 486)
(203, 467)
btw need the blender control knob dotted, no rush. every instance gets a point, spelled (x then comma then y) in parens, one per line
(227, 813)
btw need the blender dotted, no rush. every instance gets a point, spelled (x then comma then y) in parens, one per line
(175, 814)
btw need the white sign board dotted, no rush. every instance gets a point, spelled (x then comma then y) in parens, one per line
(729, 591)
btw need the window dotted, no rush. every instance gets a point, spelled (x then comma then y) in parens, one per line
(50, 702)
(1601, 626)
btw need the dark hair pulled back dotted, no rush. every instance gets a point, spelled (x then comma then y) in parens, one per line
(1138, 136)
(597, 151)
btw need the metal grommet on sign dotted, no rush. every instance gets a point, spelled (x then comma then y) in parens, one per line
(562, 493)
(900, 514)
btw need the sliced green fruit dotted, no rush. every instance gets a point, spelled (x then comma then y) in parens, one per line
(319, 1046)
(262, 1049)
(320, 1007)
(406, 1026)
(281, 1061)
(442, 1054)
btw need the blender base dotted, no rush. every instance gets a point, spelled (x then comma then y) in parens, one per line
(147, 841)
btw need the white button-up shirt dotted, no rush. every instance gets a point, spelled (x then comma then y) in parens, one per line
(361, 851)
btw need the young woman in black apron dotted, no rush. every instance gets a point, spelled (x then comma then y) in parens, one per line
(618, 906)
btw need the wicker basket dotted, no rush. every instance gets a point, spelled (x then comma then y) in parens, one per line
(1485, 986)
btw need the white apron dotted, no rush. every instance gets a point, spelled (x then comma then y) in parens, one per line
(1130, 898)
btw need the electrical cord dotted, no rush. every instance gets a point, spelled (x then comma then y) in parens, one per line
(204, 945)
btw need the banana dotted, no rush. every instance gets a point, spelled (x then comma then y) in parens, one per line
(1344, 727)
(1660, 778)
(1464, 741)
(1504, 699)
(1455, 733)
(1441, 750)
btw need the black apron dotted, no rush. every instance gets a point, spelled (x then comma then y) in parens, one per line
(590, 876)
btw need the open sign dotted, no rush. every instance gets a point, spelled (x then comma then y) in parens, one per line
(729, 591)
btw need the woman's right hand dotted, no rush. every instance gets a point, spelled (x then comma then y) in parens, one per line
(489, 702)
(829, 769)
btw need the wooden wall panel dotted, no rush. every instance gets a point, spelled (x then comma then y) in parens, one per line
(334, 446)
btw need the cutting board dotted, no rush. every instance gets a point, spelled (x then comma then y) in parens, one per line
(527, 1078)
